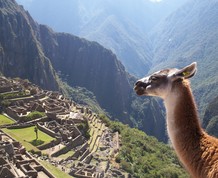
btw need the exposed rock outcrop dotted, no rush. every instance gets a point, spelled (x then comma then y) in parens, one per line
(20, 51)
(89, 65)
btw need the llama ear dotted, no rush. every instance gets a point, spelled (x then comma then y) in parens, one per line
(187, 72)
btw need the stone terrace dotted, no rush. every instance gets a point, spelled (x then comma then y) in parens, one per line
(71, 151)
(16, 162)
(9, 85)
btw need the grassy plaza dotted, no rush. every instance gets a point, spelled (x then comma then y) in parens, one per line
(5, 120)
(27, 136)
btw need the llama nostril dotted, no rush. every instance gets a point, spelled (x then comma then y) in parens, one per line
(137, 83)
(141, 84)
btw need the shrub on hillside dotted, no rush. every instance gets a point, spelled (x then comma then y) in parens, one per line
(84, 128)
(33, 115)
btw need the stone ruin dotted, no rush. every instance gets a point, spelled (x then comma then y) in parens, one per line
(15, 162)
(90, 159)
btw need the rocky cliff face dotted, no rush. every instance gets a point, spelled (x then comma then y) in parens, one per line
(88, 64)
(20, 52)
(35, 52)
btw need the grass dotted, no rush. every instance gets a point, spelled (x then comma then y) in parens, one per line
(93, 140)
(37, 142)
(5, 120)
(54, 170)
(95, 133)
(26, 136)
(35, 115)
(66, 155)
(95, 147)
(91, 131)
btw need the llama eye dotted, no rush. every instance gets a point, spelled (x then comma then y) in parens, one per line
(154, 78)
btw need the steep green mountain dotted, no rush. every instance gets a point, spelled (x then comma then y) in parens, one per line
(20, 51)
(88, 64)
(120, 25)
(145, 160)
(210, 119)
(138, 154)
(131, 47)
(35, 52)
(190, 34)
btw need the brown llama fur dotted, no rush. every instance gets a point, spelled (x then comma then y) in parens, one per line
(196, 149)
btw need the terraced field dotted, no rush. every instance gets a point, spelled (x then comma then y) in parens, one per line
(26, 136)
(5, 120)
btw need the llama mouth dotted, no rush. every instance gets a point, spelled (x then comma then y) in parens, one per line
(139, 90)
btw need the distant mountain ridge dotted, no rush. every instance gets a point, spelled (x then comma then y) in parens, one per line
(188, 35)
(32, 51)
(121, 25)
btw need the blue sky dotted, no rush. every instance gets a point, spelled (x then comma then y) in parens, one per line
(155, 0)
(28, 1)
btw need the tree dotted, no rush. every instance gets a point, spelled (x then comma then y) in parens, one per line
(36, 131)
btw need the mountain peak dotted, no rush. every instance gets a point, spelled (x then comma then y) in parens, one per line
(21, 54)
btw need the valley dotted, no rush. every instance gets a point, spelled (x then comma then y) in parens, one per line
(69, 136)
(64, 137)
(47, 58)
(67, 100)
(169, 35)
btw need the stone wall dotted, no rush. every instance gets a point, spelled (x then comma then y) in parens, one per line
(61, 151)
(88, 159)
(39, 96)
(79, 140)
(47, 131)
(85, 154)
(24, 125)
(11, 113)
(27, 99)
(5, 89)
(72, 144)
(49, 145)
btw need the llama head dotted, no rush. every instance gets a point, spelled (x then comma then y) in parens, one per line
(160, 83)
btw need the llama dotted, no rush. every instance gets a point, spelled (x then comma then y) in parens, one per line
(197, 150)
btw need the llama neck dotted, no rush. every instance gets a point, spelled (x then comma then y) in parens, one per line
(182, 118)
